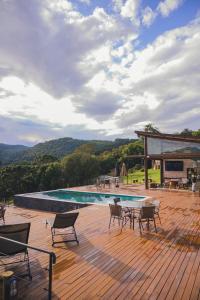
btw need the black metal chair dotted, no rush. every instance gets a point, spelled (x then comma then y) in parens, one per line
(118, 213)
(63, 221)
(147, 215)
(2, 212)
(9, 249)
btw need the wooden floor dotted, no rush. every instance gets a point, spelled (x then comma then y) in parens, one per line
(110, 265)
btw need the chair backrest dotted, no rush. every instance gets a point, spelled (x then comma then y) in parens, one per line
(115, 210)
(147, 212)
(116, 200)
(64, 220)
(17, 232)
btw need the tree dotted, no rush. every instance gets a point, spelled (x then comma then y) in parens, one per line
(186, 132)
(80, 168)
(86, 148)
(151, 128)
(196, 133)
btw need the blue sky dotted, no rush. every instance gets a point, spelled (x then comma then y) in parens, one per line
(97, 69)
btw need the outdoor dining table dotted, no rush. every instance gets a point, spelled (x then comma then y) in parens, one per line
(138, 204)
(134, 207)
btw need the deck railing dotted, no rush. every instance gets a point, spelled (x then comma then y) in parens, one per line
(52, 260)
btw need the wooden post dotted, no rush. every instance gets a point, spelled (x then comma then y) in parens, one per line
(146, 164)
(161, 172)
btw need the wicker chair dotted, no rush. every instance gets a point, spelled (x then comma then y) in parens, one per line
(9, 249)
(117, 213)
(63, 221)
(147, 215)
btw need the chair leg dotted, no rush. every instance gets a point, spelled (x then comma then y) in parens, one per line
(75, 235)
(148, 224)
(122, 225)
(159, 218)
(110, 222)
(130, 221)
(140, 225)
(52, 235)
(28, 265)
(155, 225)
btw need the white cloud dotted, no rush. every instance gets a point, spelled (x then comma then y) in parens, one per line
(168, 72)
(164, 8)
(130, 10)
(65, 74)
(85, 1)
(167, 6)
(148, 16)
(117, 5)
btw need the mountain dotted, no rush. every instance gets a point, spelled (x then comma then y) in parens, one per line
(57, 148)
(9, 153)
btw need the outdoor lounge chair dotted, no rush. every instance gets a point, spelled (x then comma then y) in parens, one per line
(8, 249)
(63, 221)
(147, 215)
(117, 213)
(2, 212)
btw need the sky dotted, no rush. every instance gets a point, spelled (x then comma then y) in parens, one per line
(97, 69)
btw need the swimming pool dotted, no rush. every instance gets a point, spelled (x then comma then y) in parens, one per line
(89, 197)
(65, 199)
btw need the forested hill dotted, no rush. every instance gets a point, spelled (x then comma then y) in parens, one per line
(10, 153)
(56, 148)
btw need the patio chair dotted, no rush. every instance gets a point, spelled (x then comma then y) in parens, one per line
(63, 221)
(117, 213)
(9, 249)
(2, 212)
(147, 215)
(157, 209)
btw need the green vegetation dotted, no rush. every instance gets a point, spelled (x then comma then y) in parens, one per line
(56, 148)
(46, 166)
(138, 175)
(79, 168)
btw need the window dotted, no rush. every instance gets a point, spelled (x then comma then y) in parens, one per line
(172, 165)
(161, 146)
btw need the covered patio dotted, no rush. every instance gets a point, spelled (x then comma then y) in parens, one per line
(178, 156)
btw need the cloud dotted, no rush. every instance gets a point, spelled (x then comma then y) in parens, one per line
(117, 5)
(167, 6)
(148, 16)
(164, 8)
(130, 10)
(66, 74)
(168, 70)
(46, 42)
(32, 132)
(85, 1)
(100, 106)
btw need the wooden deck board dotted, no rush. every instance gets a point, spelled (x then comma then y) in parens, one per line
(110, 265)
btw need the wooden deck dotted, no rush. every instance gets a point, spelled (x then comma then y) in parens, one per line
(110, 265)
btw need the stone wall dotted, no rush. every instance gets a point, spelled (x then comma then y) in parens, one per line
(46, 204)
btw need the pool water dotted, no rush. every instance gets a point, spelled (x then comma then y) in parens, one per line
(87, 197)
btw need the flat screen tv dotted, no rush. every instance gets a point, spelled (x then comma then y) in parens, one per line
(172, 165)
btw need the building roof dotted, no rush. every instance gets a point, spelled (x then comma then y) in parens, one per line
(172, 137)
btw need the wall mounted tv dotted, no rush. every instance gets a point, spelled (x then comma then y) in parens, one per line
(172, 165)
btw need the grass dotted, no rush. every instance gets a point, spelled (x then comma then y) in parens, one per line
(139, 175)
